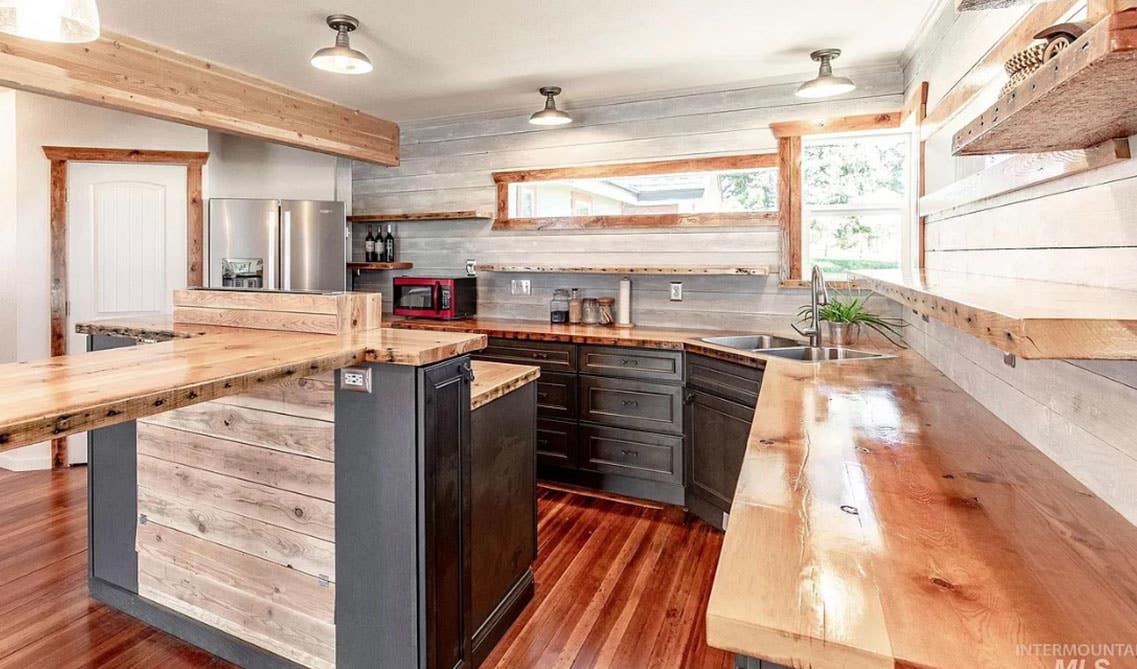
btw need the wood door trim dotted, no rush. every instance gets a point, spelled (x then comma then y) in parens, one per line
(60, 156)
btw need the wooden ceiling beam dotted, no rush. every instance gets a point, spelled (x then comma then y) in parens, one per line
(130, 75)
(836, 124)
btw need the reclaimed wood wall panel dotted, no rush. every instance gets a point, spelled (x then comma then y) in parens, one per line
(329, 313)
(1077, 228)
(284, 631)
(130, 75)
(281, 432)
(449, 166)
(309, 397)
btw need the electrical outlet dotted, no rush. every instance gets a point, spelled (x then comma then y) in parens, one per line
(520, 287)
(676, 291)
(471, 267)
(357, 379)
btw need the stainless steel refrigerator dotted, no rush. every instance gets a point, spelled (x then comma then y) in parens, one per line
(277, 244)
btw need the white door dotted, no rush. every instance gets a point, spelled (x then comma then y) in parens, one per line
(126, 246)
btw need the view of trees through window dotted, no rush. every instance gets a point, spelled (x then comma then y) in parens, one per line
(855, 202)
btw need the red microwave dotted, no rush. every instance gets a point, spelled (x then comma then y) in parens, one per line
(442, 298)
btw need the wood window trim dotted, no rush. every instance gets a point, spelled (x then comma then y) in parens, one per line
(789, 154)
(731, 219)
(60, 156)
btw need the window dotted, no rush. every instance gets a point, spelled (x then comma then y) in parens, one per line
(856, 202)
(728, 191)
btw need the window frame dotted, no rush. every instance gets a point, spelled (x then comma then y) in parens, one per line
(503, 180)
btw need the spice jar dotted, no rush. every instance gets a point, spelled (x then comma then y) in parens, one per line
(559, 307)
(607, 310)
(575, 307)
(591, 308)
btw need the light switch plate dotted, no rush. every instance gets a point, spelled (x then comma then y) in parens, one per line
(356, 379)
(471, 267)
(521, 287)
(676, 294)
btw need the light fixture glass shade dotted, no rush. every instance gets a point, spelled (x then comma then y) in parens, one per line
(67, 21)
(341, 58)
(826, 85)
(550, 115)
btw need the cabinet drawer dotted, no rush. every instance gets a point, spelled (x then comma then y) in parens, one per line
(556, 444)
(643, 455)
(549, 356)
(632, 363)
(632, 404)
(556, 395)
(725, 379)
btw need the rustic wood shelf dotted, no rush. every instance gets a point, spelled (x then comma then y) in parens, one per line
(980, 5)
(708, 270)
(470, 214)
(1032, 319)
(1086, 95)
(379, 266)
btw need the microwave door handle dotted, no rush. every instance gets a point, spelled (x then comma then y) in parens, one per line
(436, 297)
(286, 252)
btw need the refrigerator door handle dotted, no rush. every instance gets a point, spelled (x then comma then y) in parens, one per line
(286, 252)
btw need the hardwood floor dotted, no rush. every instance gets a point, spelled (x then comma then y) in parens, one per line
(618, 585)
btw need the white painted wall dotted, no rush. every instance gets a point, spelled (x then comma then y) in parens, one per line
(448, 166)
(1081, 229)
(250, 168)
(7, 226)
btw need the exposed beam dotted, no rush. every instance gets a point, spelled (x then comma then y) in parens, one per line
(750, 161)
(836, 124)
(130, 75)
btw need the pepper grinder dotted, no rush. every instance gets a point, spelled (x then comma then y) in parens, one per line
(624, 305)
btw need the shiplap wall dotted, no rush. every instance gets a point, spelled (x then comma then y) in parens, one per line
(1081, 229)
(448, 166)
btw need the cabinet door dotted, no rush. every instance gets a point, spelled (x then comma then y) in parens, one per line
(447, 498)
(717, 433)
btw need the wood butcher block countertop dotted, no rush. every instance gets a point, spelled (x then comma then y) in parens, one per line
(884, 518)
(58, 396)
(493, 380)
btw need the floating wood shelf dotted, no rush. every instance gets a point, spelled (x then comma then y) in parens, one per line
(1086, 95)
(471, 214)
(379, 266)
(709, 270)
(1032, 319)
(979, 5)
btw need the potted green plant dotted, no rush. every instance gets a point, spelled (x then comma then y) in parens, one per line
(845, 315)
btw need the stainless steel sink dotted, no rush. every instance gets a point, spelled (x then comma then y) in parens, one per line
(752, 342)
(820, 354)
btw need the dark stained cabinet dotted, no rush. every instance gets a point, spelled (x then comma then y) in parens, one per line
(631, 404)
(447, 512)
(720, 403)
(556, 395)
(556, 444)
(634, 453)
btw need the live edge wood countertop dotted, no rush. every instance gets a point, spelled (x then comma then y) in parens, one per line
(54, 397)
(884, 518)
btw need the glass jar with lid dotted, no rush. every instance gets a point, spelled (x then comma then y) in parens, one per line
(591, 311)
(559, 307)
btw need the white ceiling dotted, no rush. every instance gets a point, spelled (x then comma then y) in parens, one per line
(444, 58)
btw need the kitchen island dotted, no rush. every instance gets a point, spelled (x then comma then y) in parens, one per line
(242, 500)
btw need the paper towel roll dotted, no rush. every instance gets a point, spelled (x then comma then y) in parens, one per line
(624, 304)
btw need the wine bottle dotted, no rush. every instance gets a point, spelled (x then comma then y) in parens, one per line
(389, 245)
(369, 246)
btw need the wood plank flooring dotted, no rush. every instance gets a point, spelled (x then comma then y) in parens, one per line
(618, 585)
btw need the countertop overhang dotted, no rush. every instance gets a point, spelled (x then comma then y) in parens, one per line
(55, 397)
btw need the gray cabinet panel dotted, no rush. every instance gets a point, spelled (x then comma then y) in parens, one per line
(556, 395)
(631, 404)
(629, 363)
(643, 455)
(556, 443)
(717, 434)
(549, 356)
(738, 383)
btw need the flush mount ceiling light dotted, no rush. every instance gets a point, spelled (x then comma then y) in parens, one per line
(341, 58)
(550, 115)
(825, 85)
(68, 21)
